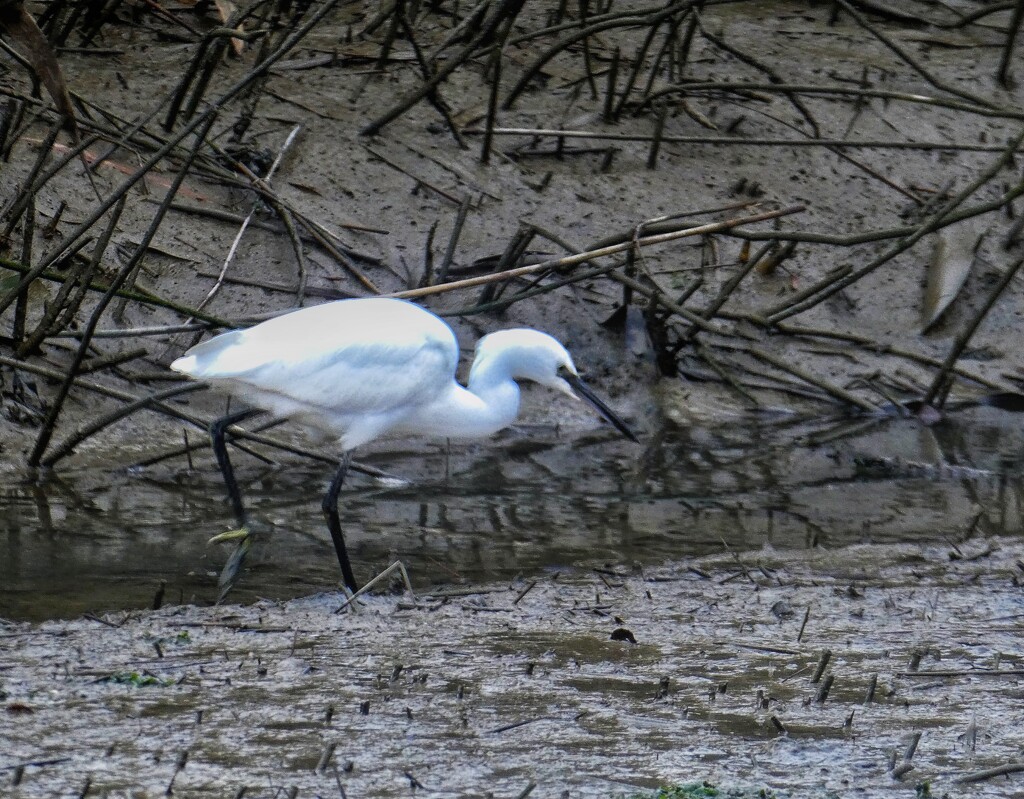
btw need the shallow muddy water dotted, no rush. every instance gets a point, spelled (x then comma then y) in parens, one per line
(106, 538)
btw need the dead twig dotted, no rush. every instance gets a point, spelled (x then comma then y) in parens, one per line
(1003, 71)
(990, 773)
(908, 59)
(265, 181)
(67, 446)
(773, 76)
(590, 255)
(752, 141)
(964, 338)
(47, 429)
(826, 288)
(136, 295)
(65, 306)
(505, 10)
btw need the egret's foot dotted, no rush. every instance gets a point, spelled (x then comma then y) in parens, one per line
(239, 534)
(233, 567)
(396, 566)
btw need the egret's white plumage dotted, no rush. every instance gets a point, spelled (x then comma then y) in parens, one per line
(350, 368)
(360, 369)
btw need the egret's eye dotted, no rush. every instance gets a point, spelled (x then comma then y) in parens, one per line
(564, 373)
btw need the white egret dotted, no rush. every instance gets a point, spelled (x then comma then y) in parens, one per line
(360, 369)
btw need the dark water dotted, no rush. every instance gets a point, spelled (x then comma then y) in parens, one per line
(106, 538)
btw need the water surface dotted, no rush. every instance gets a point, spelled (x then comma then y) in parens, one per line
(107, 537)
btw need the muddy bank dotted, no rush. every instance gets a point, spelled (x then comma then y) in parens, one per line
(903, 126)
(868, 671)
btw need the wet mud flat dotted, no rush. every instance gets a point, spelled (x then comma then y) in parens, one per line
(519, 687)
(871, 670)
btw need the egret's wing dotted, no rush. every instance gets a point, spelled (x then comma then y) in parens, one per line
(350, 357)
(359, 378)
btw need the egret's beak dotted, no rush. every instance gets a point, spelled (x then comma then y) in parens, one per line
(584, 391)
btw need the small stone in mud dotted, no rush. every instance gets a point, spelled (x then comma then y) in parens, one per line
(622, 634)
(782, 609)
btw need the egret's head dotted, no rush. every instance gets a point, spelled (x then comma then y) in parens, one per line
(525, 354)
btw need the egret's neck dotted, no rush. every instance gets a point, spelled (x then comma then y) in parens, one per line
(491, 381)
(489, 403)
(497, 403)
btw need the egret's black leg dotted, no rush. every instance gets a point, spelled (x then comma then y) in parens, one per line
(233, 566)
(330, 506)
(220, 451)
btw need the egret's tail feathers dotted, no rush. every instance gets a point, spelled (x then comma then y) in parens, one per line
(206, 359)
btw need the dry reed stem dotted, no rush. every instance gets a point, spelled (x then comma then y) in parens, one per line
(575, 260)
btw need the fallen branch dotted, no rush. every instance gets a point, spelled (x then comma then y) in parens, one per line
(590, 255)
(989, 773)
